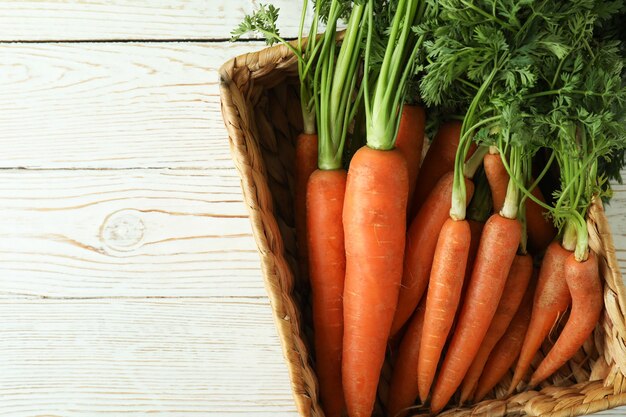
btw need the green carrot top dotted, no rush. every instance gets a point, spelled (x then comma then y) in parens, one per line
(388, 65)
(336, 78)
(501, 60)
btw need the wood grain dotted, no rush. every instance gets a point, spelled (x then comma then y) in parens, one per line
(181, 357)
(58, 20)
(118, 233)
(113, 105)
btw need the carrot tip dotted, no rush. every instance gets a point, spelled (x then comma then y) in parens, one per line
(465, 396)
(511, 389)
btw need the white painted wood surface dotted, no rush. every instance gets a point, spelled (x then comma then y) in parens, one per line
(113, 105)
(45, 20)
(136, 356)
(129, 278)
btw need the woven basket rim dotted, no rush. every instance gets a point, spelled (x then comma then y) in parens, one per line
(237, 76)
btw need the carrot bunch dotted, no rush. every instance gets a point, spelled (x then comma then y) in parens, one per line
(582, 137)
(431, 264)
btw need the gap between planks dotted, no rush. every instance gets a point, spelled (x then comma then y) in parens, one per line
(26, 296)
(148, 40)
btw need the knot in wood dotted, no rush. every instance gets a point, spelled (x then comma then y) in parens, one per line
(123, 230)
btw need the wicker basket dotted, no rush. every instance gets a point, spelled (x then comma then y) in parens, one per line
(261, 110)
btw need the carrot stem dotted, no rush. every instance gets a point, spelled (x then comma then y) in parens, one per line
(519, 183)
(459, 195)
(307, 102)
(384, 103)
(510, 208)
(335, 79)
(475, 161)
(569, 237)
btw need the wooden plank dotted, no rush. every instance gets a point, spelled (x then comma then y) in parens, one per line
(176, 357)
(113, 233)
(120, 233)
(616, 212)
(58, 20)
(122, 105)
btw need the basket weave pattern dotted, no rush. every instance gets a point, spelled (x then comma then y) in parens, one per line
(261, 110)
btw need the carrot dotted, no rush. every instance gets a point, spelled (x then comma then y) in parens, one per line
(508, 348)
(410, 140)
(541, 231)
(420, 247)
(496, 251)
(498, 179)
(442, 299)
(551, 300)
(327, 267)
(476, 228)
(374, 223)
(305, 164)
(478, 212)
(514, 289)
(325, 200)
(403, 387)
(439, 159)
(375, 207)
(583, 281)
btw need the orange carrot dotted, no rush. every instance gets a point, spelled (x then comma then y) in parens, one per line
(438, 160)
(476, 228)
(374, 220)
(305, 164)
(541, 231)
(583, 281)
(514, 289)
(551, 299)
(442, 299)
(403, 388)
(410, 140)
(498, 179)
(508, 348)
(477, 214)
(498, 244)
(327, 268)
(420, 247)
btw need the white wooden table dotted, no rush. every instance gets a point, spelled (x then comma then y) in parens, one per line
(129, 278)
